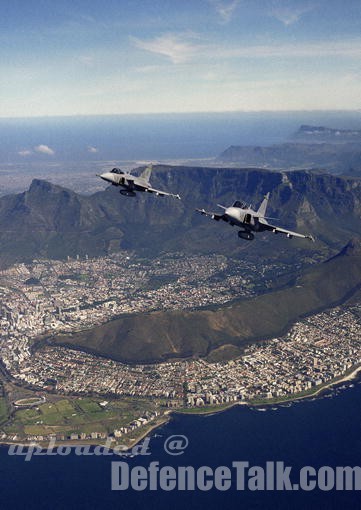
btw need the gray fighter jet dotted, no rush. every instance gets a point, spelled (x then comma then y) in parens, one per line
(250, 221)
(131, 183)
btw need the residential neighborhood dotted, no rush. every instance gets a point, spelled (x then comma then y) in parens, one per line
(49, 297)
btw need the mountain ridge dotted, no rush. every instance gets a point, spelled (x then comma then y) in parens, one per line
(313, 147)
(50, 221)
(323, 134)
(158, 336)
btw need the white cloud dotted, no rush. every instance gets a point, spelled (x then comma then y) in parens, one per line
(181, 52)
(290, 14)
(148, 69)
(86, 60)
(92, 150)
(351, 48)
(225, 9)
(179, 48)
(25, 153)
(44, 149)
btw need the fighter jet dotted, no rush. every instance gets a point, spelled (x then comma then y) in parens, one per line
(131, 183)
(250, 221)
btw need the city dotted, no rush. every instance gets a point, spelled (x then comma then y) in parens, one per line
(316, 350)
(50, 297)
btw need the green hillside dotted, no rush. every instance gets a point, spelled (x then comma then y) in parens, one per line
(160, 335)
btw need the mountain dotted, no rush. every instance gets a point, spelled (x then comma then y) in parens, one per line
(352, 248)
(223, 332)
(51, 221)
(314, 147)
(322, 134)
(48, 221)
(338, 159)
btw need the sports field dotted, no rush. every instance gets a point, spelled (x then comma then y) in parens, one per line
(78, 415)
(3, 410)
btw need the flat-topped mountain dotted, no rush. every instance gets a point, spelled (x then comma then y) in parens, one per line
(51, 221)
(342, 158)
(313, 147)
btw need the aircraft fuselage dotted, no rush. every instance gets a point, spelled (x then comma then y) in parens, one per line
(244, 218)
(126, 181)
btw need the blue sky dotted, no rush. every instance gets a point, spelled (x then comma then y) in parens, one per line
(80, 57)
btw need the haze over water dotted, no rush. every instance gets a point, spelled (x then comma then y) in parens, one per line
(153, 137)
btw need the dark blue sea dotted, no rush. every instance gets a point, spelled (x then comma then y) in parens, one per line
(155, 136)
(322, 432)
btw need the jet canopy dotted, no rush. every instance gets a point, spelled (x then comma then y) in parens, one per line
(117, 171)
(240, 205)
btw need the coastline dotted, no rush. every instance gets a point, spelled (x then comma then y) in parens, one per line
(145, 433)
(165, 418)
(90, 442)
(349, 376)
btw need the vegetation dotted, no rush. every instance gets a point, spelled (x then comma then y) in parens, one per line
(71, 224)
(159, 335)
(32, 281)
(76, 415)
(3, 410)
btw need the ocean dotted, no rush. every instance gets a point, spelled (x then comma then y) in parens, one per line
(323, 432)
(316, 433)
(153, 137)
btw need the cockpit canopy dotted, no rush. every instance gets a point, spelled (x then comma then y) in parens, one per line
(117, 171)
(240, 205)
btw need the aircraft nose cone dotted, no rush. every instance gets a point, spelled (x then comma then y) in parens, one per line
(104, 176)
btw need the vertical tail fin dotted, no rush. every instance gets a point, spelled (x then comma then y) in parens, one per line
(262, 208)
(147, 173)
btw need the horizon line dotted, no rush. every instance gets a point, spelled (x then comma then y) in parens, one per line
(195, 112)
